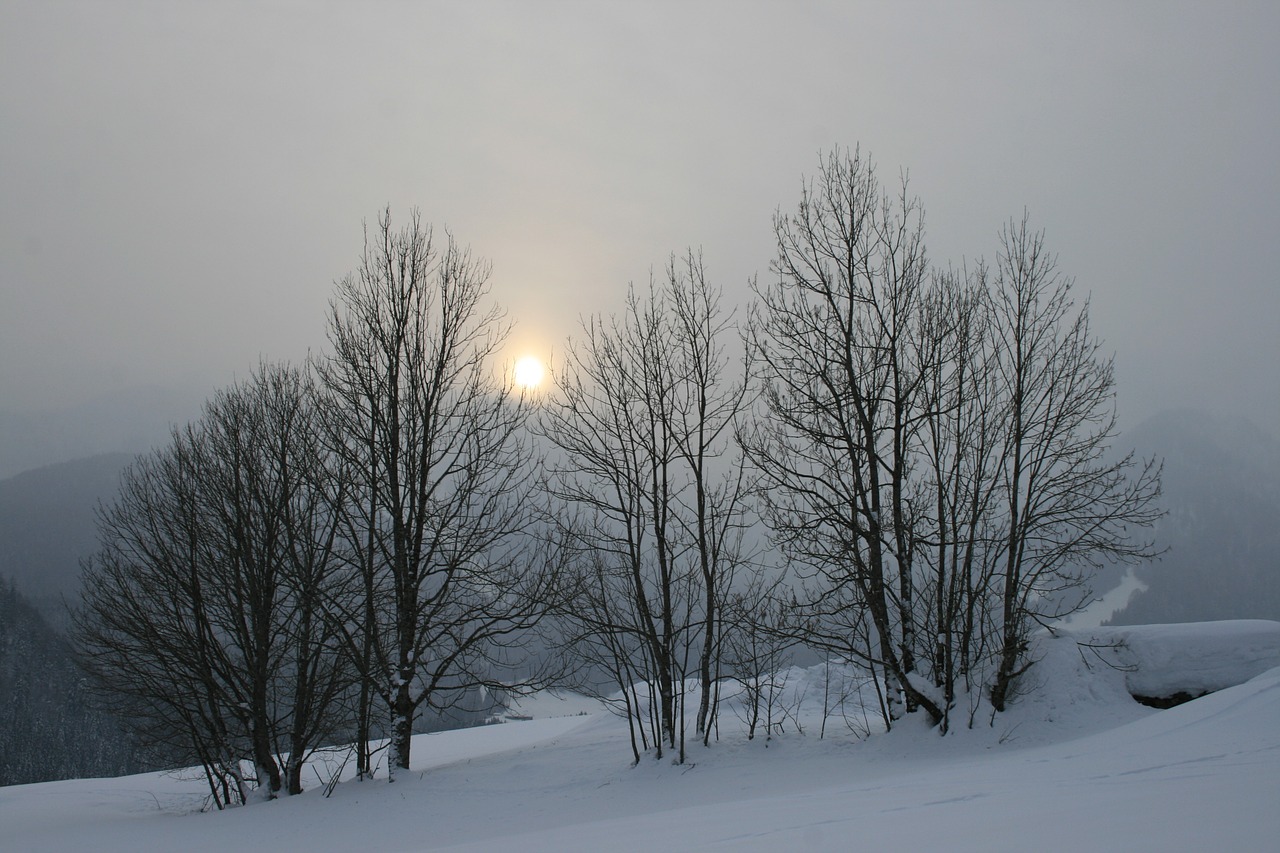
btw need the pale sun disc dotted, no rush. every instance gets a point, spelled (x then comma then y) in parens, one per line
(529, 372)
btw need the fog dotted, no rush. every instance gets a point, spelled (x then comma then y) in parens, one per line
(182, 183)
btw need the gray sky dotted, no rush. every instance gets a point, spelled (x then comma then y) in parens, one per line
(181, 183)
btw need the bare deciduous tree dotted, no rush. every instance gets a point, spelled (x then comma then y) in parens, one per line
(938, 448)
(1069, 504)
(834, 333)
(202, 612)
(441, 476)
(648, 471)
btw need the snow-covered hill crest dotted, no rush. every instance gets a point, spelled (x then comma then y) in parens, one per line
(1076, 764)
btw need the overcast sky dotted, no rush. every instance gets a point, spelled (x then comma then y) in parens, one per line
(181, 183)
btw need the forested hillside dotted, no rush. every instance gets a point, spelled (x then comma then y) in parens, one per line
(48, 728)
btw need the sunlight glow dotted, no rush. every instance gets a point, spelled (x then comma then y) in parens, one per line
(528, 372)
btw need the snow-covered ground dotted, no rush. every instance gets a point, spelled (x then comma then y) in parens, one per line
(1078, 765)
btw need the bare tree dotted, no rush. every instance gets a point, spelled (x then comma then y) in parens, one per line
(709, 410)
(202, 611)
(957, 466)
(937, 454)
(441, 476)
(648, 470)
(143, 631)
(834, 335)
(1069, 504)
(314, 673)
(761, 630)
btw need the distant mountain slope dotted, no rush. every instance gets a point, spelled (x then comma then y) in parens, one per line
(1222, 490)
(130, 421)
(47, 526)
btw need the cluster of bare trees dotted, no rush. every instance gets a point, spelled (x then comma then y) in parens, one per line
(203, 613)
(328, 550)
(929, 450)
(936, 456)
(333, 549)
(649, 494)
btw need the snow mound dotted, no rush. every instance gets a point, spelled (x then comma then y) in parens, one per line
(1193, 658)
(1084, 681)
(1189, 658)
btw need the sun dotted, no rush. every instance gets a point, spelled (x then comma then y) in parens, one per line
(528, 372)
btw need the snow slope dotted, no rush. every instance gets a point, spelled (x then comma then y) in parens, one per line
(1076, 765)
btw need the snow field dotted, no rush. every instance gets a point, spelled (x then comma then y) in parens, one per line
(1076, 765)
